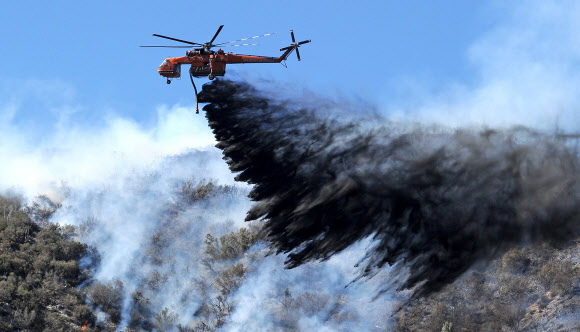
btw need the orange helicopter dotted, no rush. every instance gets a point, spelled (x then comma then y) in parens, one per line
(206, 62)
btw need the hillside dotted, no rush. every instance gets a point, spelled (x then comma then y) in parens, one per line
(192, 272)
(531, 288)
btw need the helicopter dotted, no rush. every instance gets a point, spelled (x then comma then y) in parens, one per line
(206, 62)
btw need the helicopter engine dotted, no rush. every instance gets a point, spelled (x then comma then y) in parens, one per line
(192, 53)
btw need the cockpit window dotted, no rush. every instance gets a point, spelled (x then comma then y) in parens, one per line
(165, 63)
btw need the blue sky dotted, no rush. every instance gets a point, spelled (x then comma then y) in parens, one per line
(75, 86)
(90, 49)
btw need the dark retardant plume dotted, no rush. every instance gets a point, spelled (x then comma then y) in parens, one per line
(435, 202)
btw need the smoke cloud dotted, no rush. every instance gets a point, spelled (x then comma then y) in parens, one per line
(122, 184)
(523, 70)
(434, 201)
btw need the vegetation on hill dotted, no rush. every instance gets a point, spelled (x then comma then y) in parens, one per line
(532, 288)
(204, 274)
(39, 273)
(43, 286)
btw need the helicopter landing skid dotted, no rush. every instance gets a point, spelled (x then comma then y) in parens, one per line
(192, 83)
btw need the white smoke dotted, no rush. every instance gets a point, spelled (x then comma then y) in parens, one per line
(118, 181)
(121, 176)
(130, 208)
(525, 72)
(322, 297)
(82, 155)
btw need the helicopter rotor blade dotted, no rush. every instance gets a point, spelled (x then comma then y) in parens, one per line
(287, 47)
(165, 46)
(234, 41)
(298, 53)
(216, 34)
(305, 42)
(179, 40)
(292, 34)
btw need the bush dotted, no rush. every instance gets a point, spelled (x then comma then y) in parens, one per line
(230, 246)
(165, 320)
(36, 266)
(230, 279)
(516, 260)
(447, 327)
(558, 276)
(107, 298)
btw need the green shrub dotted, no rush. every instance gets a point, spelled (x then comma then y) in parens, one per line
(39, 272)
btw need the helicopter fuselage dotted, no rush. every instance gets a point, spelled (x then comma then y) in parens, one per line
(211, 64)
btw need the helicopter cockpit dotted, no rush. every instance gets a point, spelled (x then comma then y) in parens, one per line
(164, 64)
(169, 69)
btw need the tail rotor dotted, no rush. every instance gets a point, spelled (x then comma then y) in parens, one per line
(295, 45)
